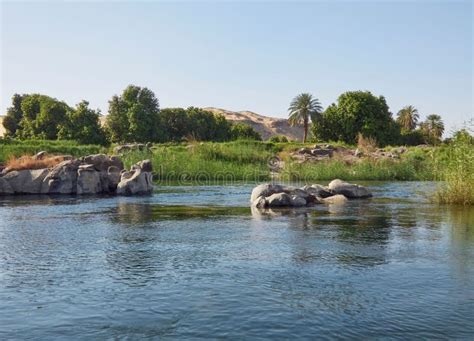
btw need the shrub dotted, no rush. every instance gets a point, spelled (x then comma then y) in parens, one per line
(278, 139)
(29, 162)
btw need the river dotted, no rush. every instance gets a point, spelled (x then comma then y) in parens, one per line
(195, 262)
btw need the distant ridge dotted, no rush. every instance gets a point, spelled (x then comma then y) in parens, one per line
(266, 126)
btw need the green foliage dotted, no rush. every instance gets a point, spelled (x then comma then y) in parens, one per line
(454, 167)
(134, 116)
(14, 115)
(206, 126)
(357, 112)
(83, 126)
(17, 148)
(411, 138)
(35, 116)
(432, 129)
(242, 131)
(303, 108)
(408, 118)
(278, 139)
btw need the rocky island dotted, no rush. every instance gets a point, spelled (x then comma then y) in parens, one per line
(93, 174)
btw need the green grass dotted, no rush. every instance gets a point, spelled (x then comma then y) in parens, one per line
(454, 165)
(246, 161)
(17, 148)
(209, 162)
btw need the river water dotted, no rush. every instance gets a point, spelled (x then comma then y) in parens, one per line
(196, 262)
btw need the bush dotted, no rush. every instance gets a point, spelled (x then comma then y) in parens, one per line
(278, 139)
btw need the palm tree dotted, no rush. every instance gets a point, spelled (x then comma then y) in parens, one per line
(433, 126)
(408, 117)
(302, 108)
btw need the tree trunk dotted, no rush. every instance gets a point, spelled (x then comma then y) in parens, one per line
(305, 131)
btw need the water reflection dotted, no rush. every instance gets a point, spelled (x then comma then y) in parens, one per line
(140, 214)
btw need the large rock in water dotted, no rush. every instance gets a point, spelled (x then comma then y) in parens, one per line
(138, 181)
(62, 179)
(28, 181)
(350, 191)
(88, 180)
(271, 195)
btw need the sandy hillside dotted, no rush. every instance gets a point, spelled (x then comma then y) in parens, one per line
(266, 126)
(2, 130)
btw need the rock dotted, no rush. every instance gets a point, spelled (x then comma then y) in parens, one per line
(145, 165)
(5, 187)
(351, 191)
(137, 181)
(88, 180)
(278, 200)
(358, 153)
(62, 179)
(297, 201)
(322, 152)
(337, 199)
(264, 190)
(318, 191)
(28, 181)
(260, 202)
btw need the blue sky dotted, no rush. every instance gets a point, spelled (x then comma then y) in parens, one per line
(243, 56)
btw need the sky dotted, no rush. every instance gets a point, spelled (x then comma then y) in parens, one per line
(243, 55)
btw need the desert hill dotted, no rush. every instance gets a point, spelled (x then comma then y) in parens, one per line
(266, 126)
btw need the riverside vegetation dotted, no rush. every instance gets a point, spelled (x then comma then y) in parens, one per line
(196, 145)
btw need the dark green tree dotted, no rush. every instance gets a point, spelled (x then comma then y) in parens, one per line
(134, 116)
(242, 131)
(433, 129)
(14, 115)
(357, 112)
(83, 125)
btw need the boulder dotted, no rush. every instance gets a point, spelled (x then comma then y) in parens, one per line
(102, 162)
(278, 200)
(264, 190)
(337, 199)
(318, 191)
(88, 180)
(138, 181)
(297, 201)
(62, 179)
(40, 155)
(351, 191)
(5, 187)
(28, 181)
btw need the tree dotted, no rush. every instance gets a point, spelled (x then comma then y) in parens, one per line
(134, 116)
(242, 131)
(36, 116)
(14, 115)
(83, 125)
(433, 128)
(357, 112)
(175, 123)
(303, 108)
(408, 118)
(206, 126)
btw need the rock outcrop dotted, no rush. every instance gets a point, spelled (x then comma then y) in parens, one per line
(337, 192)
(93, 174)
(137, 181)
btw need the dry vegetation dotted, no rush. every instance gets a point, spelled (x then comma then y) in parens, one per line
(30, 162)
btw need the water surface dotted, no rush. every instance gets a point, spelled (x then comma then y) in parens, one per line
(197, 262)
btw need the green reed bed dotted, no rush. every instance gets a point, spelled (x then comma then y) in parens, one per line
(209, 162)
(454, 166)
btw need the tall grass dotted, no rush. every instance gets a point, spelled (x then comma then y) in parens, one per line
(366, 169)
(209, 162)
(455, 169)
(15, 148)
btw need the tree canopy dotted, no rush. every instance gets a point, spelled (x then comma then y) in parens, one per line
(357, 112)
